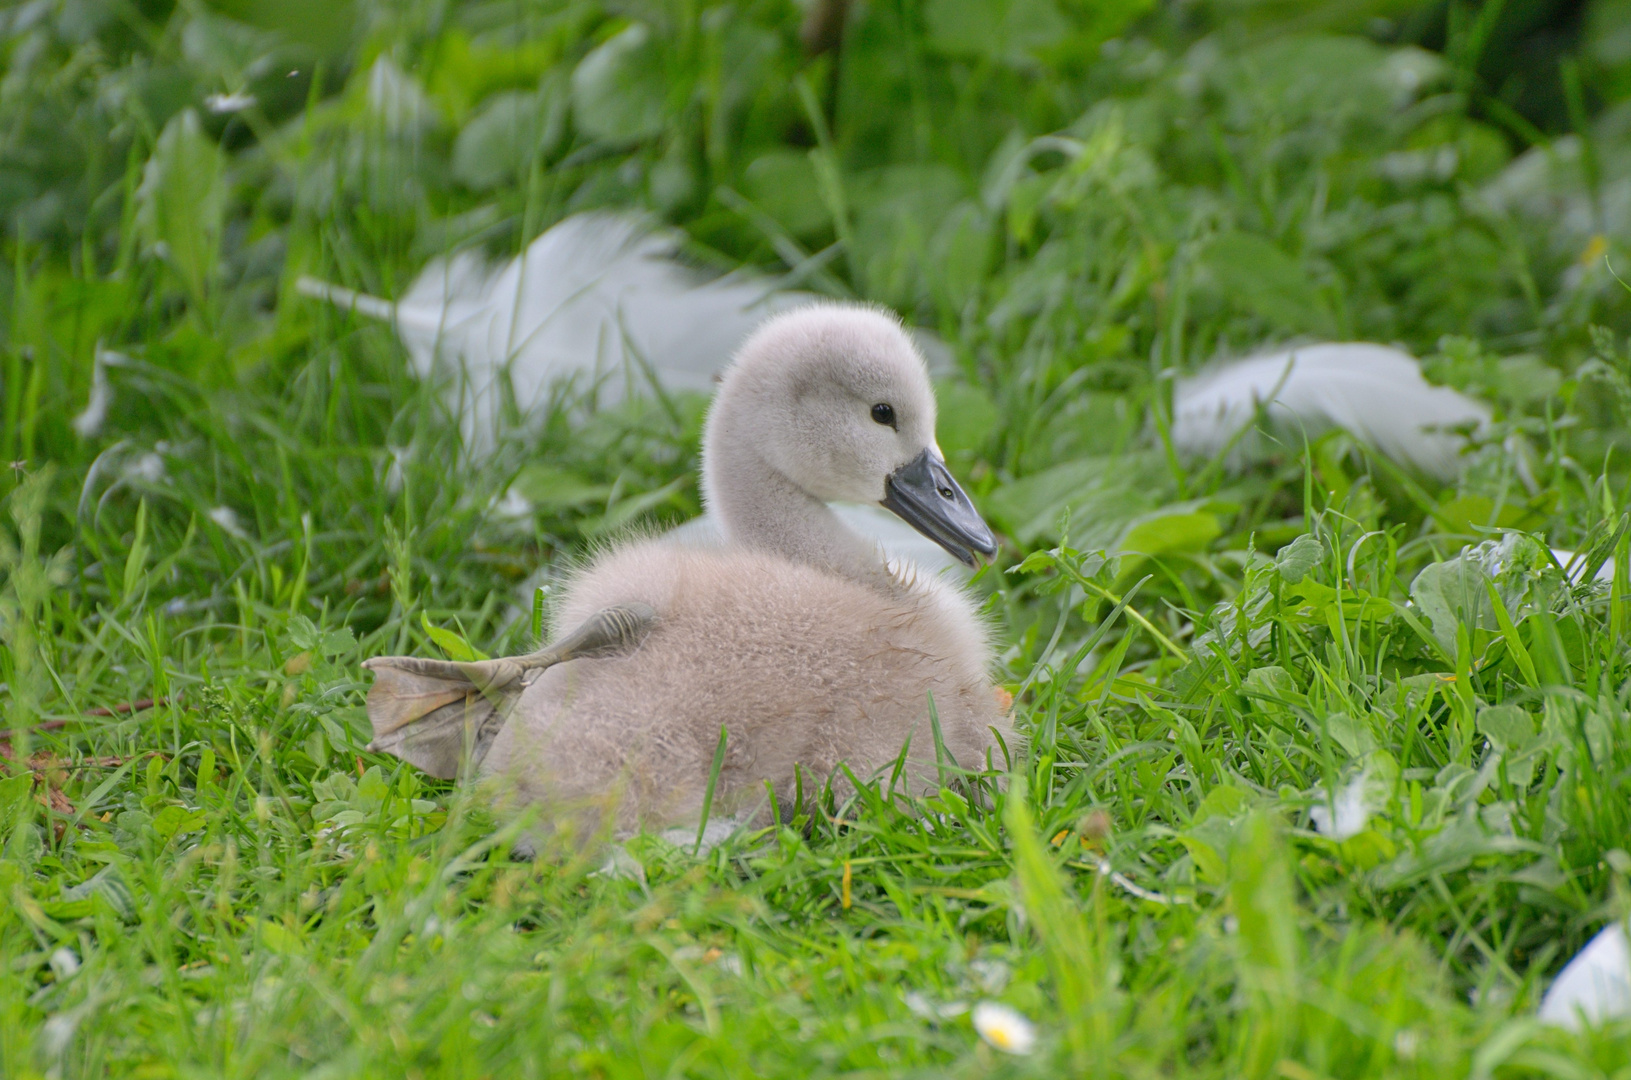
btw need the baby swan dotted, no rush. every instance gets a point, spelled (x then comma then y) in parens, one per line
(795, 636)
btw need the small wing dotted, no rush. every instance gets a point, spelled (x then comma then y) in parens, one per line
(433, 713)
(427, 712)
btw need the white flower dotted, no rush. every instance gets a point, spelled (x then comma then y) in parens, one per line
(229, 103)
(1004, 1028)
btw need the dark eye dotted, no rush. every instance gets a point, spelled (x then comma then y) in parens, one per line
(884, 414)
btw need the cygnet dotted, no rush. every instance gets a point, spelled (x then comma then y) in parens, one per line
(795, 636)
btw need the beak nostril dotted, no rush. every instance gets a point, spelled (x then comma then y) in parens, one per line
(923, 493)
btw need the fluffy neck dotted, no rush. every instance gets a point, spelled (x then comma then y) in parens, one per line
(759, 507)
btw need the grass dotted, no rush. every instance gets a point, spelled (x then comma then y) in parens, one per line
(206, 874)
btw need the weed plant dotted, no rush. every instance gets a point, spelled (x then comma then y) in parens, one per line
(1328, 779)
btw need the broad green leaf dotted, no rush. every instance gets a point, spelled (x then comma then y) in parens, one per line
(673, 181)
(1466, 513)
(68, 909)
(1209, 862)
(1027, 508)
(171, 821)
(336, 641)
(337, 787)
(783, 184)
(1327, 78)
(1349, 733)
(230, 51)
(468, 72)
(1274, 690)
(1368, 849)
(1211, 835)
(1507, 727)
(511, 131)
(1008, 31)
(372, 790)
(1269, 283)
(1225, 800)
(305, 635)
(1526, 379)
(1450, 593)
(325, 25)
(182, 200)
(619, 92)
(107, 886)
(1297, 559)
(960, 255)
(1101, 494)
(1265, 903)
(1463, 840)
(1454, 591)
(279, 938)
(451, 643)
(1315, 603)
(967, 416)
(1171, 534)
(553, 489)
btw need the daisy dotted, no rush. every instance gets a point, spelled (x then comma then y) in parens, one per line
(1004, 1028)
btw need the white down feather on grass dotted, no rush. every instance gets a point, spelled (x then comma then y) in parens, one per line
(1375, 393)
(1595, 987)
(600, 300)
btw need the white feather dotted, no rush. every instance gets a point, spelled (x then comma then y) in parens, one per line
(1348, 813)
(397, 98)
(598, 301)
(1594, 987)
(1574, 567)
(89, 422)
(1375, 393)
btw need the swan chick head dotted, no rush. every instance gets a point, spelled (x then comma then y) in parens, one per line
(836, 400)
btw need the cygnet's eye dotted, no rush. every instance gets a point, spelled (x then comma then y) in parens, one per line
(884, 414)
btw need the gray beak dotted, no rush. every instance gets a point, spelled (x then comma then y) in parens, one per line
(923, 494)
